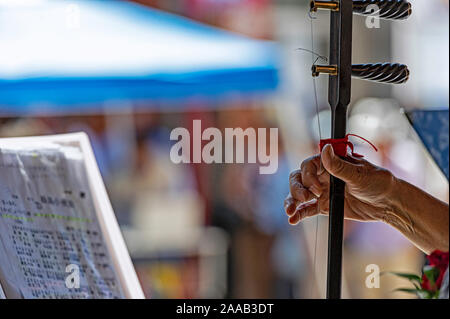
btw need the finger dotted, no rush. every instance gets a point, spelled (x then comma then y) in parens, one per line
(302, 195)
(296, 188)
(309, 174)
(301, 214)
(324, 203)
(354, 160)
(294, 219)
(290, 205)
(324, 179)
(295, 178)
(338, 167)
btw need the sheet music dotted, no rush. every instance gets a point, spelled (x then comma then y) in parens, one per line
(48, 222)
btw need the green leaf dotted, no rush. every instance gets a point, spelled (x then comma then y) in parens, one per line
(411, 277)
(408, 290)
(417, 286)
(432, 273)
(421, 293)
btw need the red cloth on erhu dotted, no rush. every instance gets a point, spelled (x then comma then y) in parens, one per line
(340, 145)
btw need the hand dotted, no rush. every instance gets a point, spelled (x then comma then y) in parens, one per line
(367, 192)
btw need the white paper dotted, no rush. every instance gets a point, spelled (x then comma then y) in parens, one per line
(48, 221)
(2, 294)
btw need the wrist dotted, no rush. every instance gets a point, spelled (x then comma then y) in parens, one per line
(394, 196)
(396, 213)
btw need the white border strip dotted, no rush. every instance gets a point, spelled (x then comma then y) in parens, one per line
(2, 294)
(108, 223)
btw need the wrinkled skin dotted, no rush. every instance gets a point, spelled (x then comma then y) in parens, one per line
(371, 194)
(366, 195)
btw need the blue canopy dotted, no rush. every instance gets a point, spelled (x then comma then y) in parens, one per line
(432, 128)
(58, 55)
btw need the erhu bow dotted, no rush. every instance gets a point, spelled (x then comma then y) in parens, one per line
(340, 71)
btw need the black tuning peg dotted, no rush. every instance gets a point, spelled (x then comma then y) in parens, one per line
(393, 73)
(385, 9)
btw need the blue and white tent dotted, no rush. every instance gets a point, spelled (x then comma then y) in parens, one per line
(59, 56)
(432, 128)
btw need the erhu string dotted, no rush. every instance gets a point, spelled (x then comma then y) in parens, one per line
(315, 57)
(322, 57)
(320, 137)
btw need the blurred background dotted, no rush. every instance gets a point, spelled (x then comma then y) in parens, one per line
(127, 73)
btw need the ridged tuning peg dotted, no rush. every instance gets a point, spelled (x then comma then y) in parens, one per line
(394, 73)
(387, 9)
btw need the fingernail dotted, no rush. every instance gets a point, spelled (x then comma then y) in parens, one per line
(302, 206)
(291, 210)
(329, 149)
(294, 219)
(315, 190)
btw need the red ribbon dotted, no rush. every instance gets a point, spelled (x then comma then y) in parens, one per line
(340, 145)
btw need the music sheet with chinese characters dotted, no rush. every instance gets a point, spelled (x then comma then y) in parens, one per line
(48, 223)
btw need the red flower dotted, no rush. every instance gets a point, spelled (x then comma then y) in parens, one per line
(425, 284)
(440, 278)
(439, 260)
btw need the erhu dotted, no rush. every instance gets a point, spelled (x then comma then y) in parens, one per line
(340, 71)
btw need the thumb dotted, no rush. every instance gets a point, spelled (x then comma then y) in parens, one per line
(338, 167)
